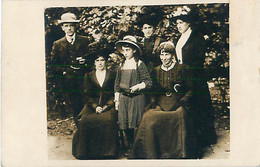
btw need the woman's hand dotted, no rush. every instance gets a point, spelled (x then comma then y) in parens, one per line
(105, 108)
(137, 87)
(134, 88)
(116, 105)
(99, 110)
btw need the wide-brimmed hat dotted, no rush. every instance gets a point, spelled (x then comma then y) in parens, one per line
(101, 53)
(129, 39)
(68, 18)
(183, 13)
(152, 16)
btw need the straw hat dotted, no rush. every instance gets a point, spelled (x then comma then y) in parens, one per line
(68, 18)
(129, 39)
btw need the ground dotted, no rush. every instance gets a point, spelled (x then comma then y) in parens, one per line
(60, 133)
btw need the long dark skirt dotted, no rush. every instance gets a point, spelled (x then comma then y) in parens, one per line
(97, 136)
(204, 117)
(164, 135)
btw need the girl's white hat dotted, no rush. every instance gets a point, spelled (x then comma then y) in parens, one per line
(129, 39)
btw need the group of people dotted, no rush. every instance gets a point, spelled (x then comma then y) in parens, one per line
(157, 97)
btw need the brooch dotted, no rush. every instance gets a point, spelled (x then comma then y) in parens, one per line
(176, 87)
(168, 94)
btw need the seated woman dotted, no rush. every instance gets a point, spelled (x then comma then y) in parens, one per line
(166, 130)
(97, 134)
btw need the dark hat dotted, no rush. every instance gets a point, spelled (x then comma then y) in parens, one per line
(98, 51)
(101, 53)
(148, 20)
(152, 15)
(129, 39)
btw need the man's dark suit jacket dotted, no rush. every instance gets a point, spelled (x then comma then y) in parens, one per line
(63, 54)
(66, 72)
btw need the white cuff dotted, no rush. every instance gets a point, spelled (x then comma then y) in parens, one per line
(117, 96)
(141, 85)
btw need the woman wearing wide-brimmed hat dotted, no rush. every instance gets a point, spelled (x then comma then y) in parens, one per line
(97, 134)
(190, 50)
(148, 23)
(131, 80)
(166, 130)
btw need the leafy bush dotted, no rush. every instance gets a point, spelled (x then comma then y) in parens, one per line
(107, 24)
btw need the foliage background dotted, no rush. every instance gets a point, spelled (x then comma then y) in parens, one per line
(107, 24)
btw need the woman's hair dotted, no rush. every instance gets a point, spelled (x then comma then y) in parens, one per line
(167, 47)
(135, 55)
(98, 56)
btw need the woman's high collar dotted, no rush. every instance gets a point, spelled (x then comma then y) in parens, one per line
(169, 67)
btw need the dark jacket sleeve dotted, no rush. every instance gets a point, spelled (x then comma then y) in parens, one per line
(144, 76)
(110, 101)
(117, 80)
(56, 64)
(187, 77)
(88, 87)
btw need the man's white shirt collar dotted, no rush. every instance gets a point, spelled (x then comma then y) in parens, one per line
(71, 39)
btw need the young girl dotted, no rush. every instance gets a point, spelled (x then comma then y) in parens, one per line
(132, 78)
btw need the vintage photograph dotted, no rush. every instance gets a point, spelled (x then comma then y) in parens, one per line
(138, 82)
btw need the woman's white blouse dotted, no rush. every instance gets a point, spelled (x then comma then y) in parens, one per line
(130, 64)
(181, 42)
(101, 76)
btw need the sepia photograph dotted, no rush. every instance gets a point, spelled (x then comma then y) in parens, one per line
(130, 83)
(138, 82)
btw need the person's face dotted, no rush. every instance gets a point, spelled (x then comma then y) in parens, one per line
(148, 30)
(69, 28)
(128, 52)
(166, 58)
(182, 26)
(100, 63)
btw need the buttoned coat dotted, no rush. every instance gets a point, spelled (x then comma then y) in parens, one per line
(193, 55)
(63, 52)
(96, 95)
(66, 73)
(97, 134)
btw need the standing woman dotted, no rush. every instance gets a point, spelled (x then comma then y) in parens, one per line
(131, 80)
(190, 50)
(150, 41)
(97, 134)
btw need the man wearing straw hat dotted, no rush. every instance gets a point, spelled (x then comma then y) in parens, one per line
(68, 63)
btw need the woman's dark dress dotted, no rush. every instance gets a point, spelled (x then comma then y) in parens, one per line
(193, 55)
(97, 134)
(166, 131)
(150, 47)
